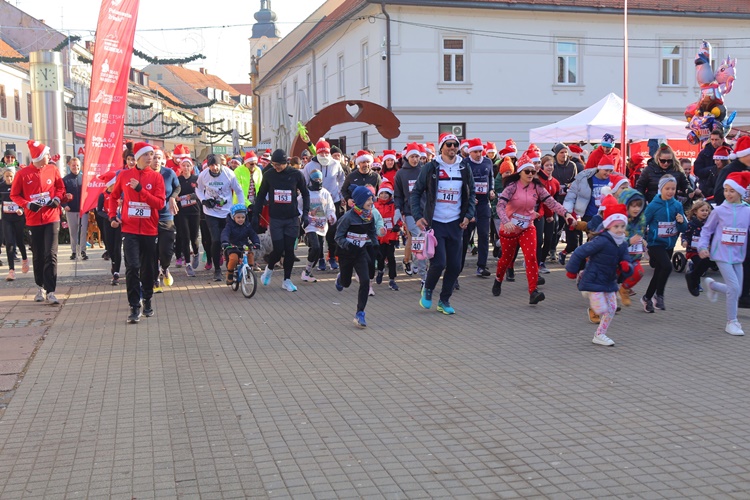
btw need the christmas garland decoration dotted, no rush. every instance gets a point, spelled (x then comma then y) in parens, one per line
(170, 124)
(85, 60)
(200, 123)
(186, 106)
(159, 136)
(157, 115)
(13, 60)
(68, 40)
(167, 62)
(140, 106)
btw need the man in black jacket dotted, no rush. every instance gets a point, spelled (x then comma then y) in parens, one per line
(78, 223)
(281, 184)
(362, 176)
(704, 167)
(447, 187)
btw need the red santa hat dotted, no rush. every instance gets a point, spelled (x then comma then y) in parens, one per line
(722, 153)
(377, 163)
(389, 154)
(575, 150)
(363, 155)
(187, 160)
(607, 162)
(37, 150)
(429, 146)
(385, 187)
(525, 162)
(423, 150)
(534, 154)
(141, 148)
(613, 211)
(445, 137)
(638, 159)
(510, 149)
(739, 181)
(534, 147)
(490, 147)
(250, 157)
(616, 181)
(412, 149)
(741, 148)
(322, 147)
(475, 145)
(464, 144)
(180, 151)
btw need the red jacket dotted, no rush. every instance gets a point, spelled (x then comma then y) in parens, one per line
(552, 186)
(388, 212)
(140, 209)
(43, 184)
(596, 155)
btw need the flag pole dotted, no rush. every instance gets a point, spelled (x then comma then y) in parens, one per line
(623, 130)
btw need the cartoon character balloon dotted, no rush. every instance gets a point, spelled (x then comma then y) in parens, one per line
(709, 112)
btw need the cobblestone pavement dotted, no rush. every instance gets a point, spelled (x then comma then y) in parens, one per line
(218, 396)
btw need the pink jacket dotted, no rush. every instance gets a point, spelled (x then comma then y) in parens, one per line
(519, 203)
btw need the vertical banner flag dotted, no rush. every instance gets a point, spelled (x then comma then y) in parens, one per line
(109, 95)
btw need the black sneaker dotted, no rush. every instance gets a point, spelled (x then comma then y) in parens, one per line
(483, 272)
(540, 280)
(407, 268)
(73, 257)
(648, 306)
(496, 252)
(692, 286)
(497, 288)
(379, 277)
(84, 256)
(536, 297)
(659, 302)
(135, 315)
(148, 311)
(510, 275)
(105, 255)
(115, 279)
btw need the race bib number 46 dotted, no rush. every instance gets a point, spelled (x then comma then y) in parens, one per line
(139, 210)
(282, 196)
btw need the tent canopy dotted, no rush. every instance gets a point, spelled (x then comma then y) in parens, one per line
(605, 117)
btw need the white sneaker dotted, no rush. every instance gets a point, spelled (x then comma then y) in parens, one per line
(288, 286)
(40, 295)
(52, 299)
(734, 328)
(308, 276)
(711, 294)
(601, 339)
(371, 293)
(265, 278)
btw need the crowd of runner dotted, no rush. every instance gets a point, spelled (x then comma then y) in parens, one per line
(439, 201)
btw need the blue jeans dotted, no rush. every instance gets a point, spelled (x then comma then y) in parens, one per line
(447, 257)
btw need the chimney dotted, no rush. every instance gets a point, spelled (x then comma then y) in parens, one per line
(203, 71)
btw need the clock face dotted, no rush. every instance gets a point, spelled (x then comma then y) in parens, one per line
(46, 77)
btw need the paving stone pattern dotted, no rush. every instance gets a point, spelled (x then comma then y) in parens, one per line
(218, 396)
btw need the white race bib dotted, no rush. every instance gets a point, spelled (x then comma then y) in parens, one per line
(9, 207)
(411, 184)
(356, 238)
(635, 249)
(40, 198)
(388, 222)
(733, 236)
(448, 196)
(417, 243)
(695, 241)
(667, 230)
(482, 187)
(282, 196)
(139, 210)
(520, 221)
(187, 200)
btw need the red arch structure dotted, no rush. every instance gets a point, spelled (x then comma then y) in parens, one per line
(347, 112)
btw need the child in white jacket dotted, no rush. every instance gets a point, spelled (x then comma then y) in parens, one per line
(322, 212)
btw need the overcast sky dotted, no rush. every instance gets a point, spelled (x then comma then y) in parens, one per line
(226, 49)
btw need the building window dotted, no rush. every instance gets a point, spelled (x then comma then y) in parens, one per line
(342, 88)
(364, 58)
(17, 104)
(567, 62)
(457, 129)
(295, 87)
(671, 64)
(364, 140)
(308, 83)
(28, 104)
(3, 103)
(325, 83)
(454, 52)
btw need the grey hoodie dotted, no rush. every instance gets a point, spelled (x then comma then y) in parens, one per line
(404, 181)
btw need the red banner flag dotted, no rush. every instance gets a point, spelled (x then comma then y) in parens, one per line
(109, 95)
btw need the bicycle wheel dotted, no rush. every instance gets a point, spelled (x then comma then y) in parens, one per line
(236, 283)
(248, 283)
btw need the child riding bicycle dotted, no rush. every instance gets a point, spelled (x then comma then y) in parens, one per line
(237, 234)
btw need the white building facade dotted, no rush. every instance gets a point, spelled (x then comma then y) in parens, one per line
(497, 69)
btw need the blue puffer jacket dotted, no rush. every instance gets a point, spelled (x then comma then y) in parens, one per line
(604, 257)
(664, 211)
(234, 234)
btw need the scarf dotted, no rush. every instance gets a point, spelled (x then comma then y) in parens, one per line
(619, 239)
(365, 215)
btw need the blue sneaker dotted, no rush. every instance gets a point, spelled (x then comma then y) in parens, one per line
(445, 308)
(339, 286)
(322, 265)
(334, 264)
(426, 298)
(265, 278)
(359, 319)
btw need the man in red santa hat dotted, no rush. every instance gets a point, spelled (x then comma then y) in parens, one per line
(38, 189)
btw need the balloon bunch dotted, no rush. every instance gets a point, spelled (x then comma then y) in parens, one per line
(709, 113)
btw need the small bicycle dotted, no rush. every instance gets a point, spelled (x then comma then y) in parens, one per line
(244, 277)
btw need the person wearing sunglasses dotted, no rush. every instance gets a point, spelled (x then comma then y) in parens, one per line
(663, 163)
(443, 199)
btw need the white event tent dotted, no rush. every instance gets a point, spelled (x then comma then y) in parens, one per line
(605, 117)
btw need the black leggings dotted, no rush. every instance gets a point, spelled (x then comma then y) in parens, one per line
(387, 252)
(13, 234)
(113, 241)
(187, 233)
(358, 262)
(330, 235)
(314, 244)
(545, 244)
(661, 261)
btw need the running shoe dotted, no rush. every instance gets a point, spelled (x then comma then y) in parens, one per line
(25, 266)
(371, 293)
(497, 288)
(179, 262)
(659, 302)
(115, 279)
(711, 294)
(84, 256)
(334, 264)
(40, 295)
(561, 258)
(51, 299)
(510, 275)
(543, 268)
(135, 315)
(536, 297)
(379, 277)
(407, 268)
(308, 277)
(196, 260)
(148, 310)
(483, 272)
(189, 271)
(168, 279)
(734, 328)
(208, 266)
(288, 286)
(339, 286)
(445, 308)
(425, 299)
(540, 280)
(217, 274)
(11, 275)
(265, 278)
(648, 306)
(322, 265)
(392, 285)
(359, 319)
(601, 339)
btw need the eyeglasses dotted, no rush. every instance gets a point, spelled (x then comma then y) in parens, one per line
(451, 144)
(527, 171)
(665, 161)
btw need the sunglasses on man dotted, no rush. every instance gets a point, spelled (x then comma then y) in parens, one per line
(452, 144)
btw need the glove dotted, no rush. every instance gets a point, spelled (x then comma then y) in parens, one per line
(256, 246)
(305, 221)
(53, 203)
(34, 207)
(624, 266)
(209, 203)
(225, 246)
(571, 275)
(396, 229)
